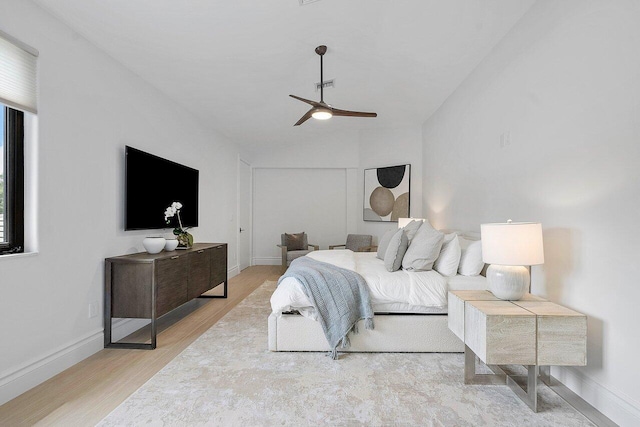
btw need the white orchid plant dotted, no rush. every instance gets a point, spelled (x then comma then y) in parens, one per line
(185, 239)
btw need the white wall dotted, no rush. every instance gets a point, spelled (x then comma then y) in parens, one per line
(89, 108)
(282, 170)
(352, 151)
(564, 83)
(295, 200)
(328, 150)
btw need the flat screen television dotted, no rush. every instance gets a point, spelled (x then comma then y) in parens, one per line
(152, 184)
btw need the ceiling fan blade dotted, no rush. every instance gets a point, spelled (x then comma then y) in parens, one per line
(338, 112)
(308, 101)
(304, 118)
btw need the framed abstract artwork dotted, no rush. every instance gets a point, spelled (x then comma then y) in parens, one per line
(387, 193)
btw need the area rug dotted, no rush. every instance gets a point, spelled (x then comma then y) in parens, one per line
(227, 377)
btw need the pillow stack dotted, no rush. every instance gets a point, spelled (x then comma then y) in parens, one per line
(471, 263)
(449, 258)
(424, 249)
(384, 243)
(420, 247)
(396, 249)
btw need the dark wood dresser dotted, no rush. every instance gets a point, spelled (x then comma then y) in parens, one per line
(146, 286)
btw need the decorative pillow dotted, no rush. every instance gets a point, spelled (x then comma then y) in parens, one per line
(384, 243)
(395, 251)
(295, 242)
(412, 228)
(449, 258)
(424, 249)
(471, 263)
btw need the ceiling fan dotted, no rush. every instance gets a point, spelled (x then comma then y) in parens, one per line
(321, 110)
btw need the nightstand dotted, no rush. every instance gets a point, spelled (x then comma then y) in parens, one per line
(532, 332)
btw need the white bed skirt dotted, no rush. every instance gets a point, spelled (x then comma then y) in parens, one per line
(393, 333)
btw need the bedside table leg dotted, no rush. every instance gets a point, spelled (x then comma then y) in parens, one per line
(545, 375)
(530, 395)
(471, 377)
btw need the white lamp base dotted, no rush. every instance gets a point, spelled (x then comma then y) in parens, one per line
(508, 282)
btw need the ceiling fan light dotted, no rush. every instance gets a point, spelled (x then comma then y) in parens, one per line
(321, 114)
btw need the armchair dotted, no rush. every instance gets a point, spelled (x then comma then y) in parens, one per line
(294, 241)
(357, 243)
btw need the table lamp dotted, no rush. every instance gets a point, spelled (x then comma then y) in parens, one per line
(509, 247)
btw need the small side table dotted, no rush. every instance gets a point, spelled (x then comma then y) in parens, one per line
(532, 332)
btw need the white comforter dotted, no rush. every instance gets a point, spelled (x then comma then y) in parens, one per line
(423, 288)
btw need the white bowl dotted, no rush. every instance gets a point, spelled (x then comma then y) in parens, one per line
(171, 245)
(154, 245)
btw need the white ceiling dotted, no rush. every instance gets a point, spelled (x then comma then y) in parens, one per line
(233, 63)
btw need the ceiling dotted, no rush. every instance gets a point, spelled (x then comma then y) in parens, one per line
(234, 63)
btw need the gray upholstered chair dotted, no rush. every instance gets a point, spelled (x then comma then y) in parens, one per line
(357, 243)
(288, 256)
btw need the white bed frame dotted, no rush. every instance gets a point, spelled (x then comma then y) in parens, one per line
(418, 333)
(415, 333)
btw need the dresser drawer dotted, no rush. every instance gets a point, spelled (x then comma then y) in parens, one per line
(172, 277)
(199, 272)
(218, 265)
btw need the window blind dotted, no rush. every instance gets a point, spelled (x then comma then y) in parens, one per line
(18, 74)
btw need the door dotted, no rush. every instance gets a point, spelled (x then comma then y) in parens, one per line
(244, 215)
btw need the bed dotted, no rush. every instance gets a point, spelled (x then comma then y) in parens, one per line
(410, 309)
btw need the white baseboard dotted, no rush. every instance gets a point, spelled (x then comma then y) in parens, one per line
(618, 408)
(36, 371)
(233, 271)
(267, 261)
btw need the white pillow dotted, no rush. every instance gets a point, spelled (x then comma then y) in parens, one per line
(424, 249)
(395, 252)
(471, 263)
(384, 243)
(449, 259)
(411, 229)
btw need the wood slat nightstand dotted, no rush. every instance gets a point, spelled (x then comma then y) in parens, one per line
(532, 332)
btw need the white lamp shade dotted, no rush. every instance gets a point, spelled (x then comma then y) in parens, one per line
(513, 243)
(402, 222)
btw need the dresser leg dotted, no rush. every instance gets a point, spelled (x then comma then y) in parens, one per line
(224, 293)
(107, 304)
(154, 333)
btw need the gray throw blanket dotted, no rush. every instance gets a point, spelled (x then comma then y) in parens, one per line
(340, 296)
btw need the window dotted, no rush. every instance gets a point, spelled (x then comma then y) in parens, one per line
(11, 180)
(18, 93)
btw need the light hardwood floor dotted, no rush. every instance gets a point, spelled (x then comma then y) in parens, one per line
(87, 392)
